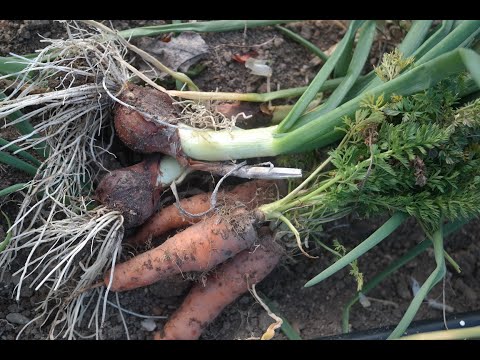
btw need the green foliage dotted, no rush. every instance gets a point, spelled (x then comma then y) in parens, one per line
(392, 65)
(11, 189)
(417, 154)
(422, 160)
(354, 271)
(394, 266)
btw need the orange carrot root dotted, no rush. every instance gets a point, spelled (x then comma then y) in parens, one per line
(200, 247)
(251, 194)
(204, 303)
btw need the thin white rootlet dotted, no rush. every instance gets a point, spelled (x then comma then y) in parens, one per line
(68, 247)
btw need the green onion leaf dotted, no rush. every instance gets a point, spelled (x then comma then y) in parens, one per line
(394, 266)
(294, 36)
(380, 234)
(201, 26)
(312, 90)
(433, 279)
(17, 163)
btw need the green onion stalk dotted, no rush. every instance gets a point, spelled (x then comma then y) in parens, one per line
(442, 55)
(318, 131)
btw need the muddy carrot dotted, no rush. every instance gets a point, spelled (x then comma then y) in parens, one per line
(204, 303)
(251, 194)
(200, 247)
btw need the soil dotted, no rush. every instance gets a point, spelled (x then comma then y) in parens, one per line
(314, 311)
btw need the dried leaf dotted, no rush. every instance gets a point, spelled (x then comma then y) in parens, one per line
(179, 53)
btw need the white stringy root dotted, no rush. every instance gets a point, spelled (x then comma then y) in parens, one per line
(202, 115)
(67, 259)
(69, 87)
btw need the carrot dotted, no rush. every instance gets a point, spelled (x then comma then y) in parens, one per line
(132, 190)
(251, 194)
(200, 247)
(204, 303)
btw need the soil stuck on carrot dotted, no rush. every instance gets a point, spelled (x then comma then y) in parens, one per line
(250, 194)
(199, 247)
(230, 280)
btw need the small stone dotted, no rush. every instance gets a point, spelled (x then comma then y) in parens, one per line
(306, 32)
(403, 290)
(262, 88)
(149, 324)
(227, 55)
(27, 35)
(47, 34)
(278, 41)
(158, 310)
(17, 318)
(251, 88)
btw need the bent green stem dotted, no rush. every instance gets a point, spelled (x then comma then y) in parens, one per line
(294, 36)
(433, 279)
(11, 189)
(380, 234)
(17, 163)
(394, 266)
(201, 26)
(301, 105)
